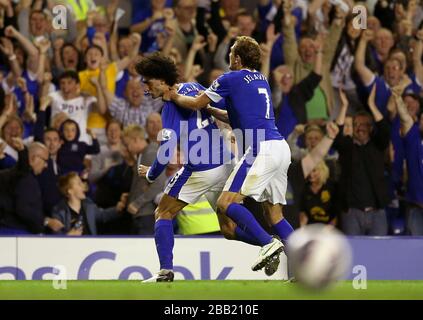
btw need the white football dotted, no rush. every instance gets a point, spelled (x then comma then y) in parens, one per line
(318, 255)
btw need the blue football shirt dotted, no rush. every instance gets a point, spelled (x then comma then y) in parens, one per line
(199, 138)
(248, 101)
(413, 146)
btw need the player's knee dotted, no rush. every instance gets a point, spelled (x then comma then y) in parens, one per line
(162, 214)
(223, 204)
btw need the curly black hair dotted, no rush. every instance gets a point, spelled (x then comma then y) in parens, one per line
(158, 66)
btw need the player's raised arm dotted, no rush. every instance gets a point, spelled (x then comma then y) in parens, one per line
(193, 103)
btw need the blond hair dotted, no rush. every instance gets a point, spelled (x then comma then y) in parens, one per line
(323, 170)
(134, 131)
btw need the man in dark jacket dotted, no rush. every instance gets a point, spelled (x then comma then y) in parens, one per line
(48, 179)
(24, 209)
(363, 187)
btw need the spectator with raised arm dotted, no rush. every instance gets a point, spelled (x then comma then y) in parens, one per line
(292, 107)
(343, 74)
(412, 136)
(69, 100)
(301, 58)
(393, 75)
(29, 65)
(300, 170)
(363, 187)
(110, 154)
(185, 31)
(151, 24)
(73, 151)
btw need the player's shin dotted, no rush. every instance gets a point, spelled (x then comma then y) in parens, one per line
(164, 238)
(283, 229)
(242, 216)
(244, 236)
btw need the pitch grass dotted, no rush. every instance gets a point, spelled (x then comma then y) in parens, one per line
(206, 290)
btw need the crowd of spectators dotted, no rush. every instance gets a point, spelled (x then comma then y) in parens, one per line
(76, 120)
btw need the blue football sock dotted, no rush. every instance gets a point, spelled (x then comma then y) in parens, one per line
(283, 229)
(242, 216)
(163, 235)
(243, 236)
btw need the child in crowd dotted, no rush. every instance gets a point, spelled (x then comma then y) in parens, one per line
(73, 151)
(78, 213)
(69, 100)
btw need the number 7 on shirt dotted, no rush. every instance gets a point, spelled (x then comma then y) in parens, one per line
(266, 94)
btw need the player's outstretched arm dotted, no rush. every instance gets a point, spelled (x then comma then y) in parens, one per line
(193, 103)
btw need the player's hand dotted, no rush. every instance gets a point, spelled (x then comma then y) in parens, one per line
(142, 170)
(170, 94)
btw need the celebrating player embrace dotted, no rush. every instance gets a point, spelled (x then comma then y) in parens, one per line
(262, 171)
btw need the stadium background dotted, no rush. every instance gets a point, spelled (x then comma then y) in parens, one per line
(31, 254)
